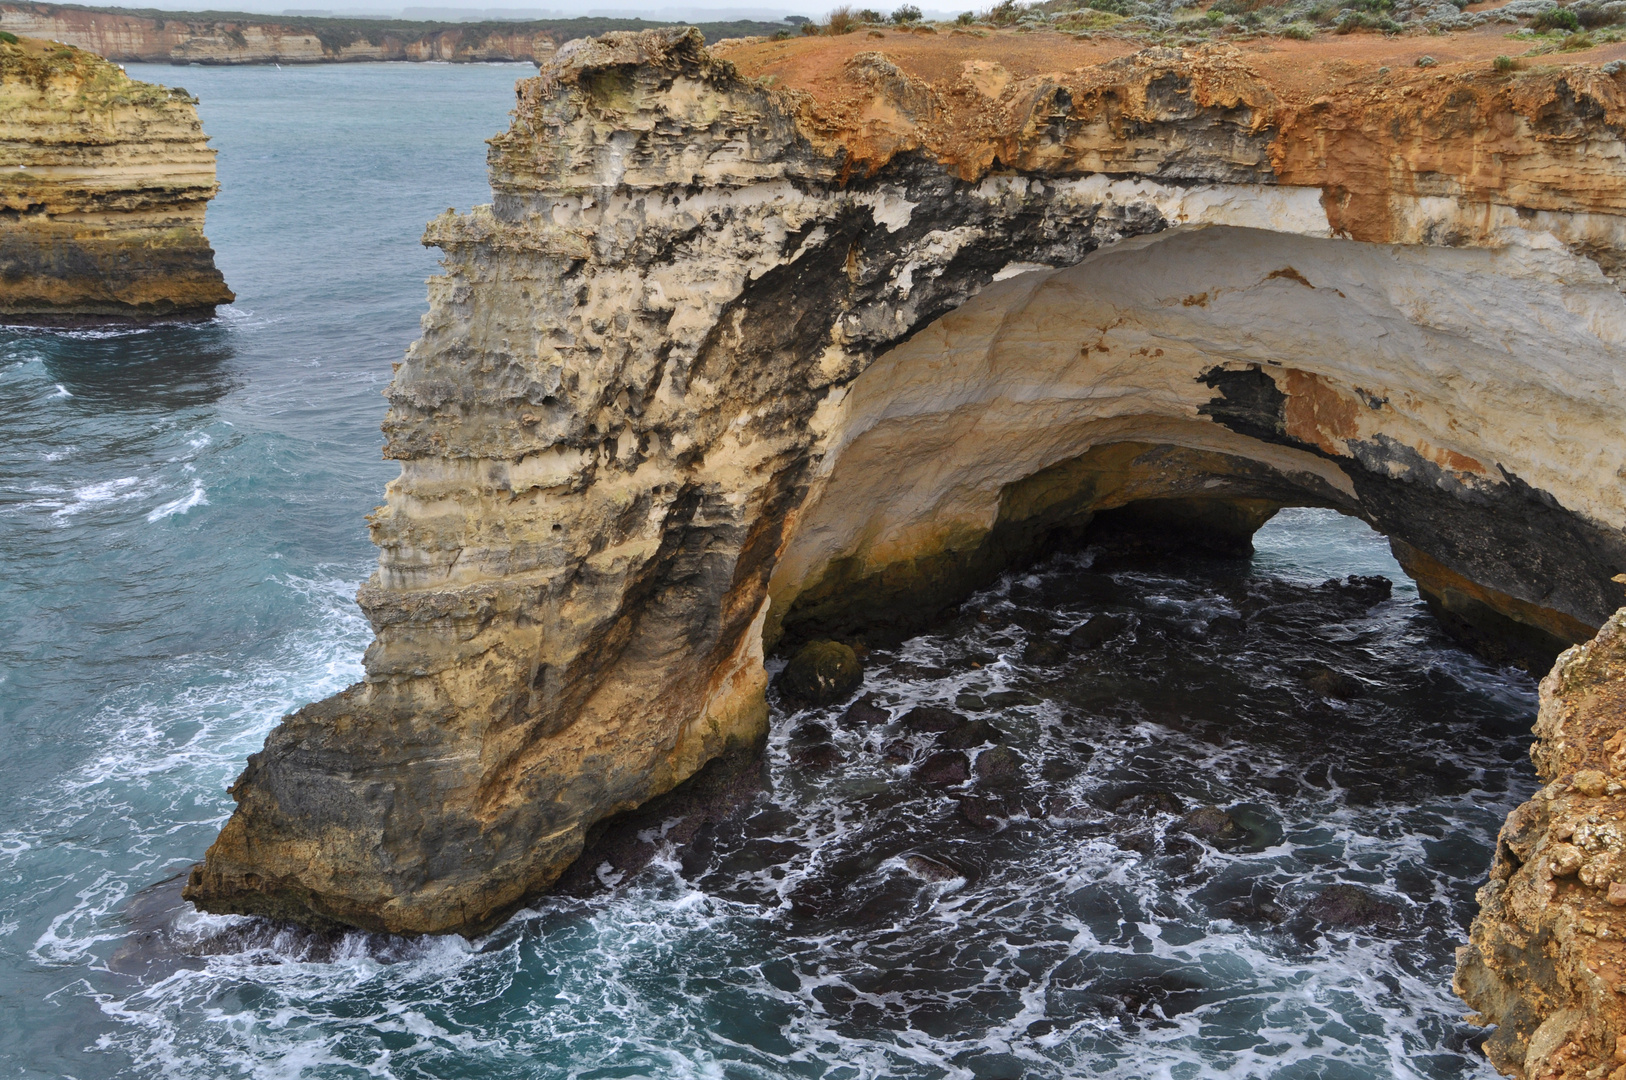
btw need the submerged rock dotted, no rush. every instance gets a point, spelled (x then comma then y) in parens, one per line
(944, 767)
(1097, 631)
(1212, 824)
(821, 673)
(928, 719)
(864, 712)
(1366, 590)
(1348, 907)
(1000, 767)
(970, 734)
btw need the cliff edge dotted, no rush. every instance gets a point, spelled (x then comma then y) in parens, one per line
(808, 339)
(1546, 959)
(103, 185)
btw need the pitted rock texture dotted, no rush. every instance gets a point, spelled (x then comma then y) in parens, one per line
(103, 185)
(733, 363)
(1546, 959)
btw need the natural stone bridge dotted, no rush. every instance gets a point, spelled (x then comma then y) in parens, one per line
(727, 366)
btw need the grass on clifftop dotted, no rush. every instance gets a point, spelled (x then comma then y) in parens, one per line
(44, 65)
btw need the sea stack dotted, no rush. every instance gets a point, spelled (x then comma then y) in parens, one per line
(805, 340)
(103, 185)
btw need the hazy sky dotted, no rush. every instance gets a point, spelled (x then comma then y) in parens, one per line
(660, 10)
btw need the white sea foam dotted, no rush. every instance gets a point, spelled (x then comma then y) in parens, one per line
(196, 497)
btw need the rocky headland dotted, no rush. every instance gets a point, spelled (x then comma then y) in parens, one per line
(805, 340)
(103, 186)
(218, 37)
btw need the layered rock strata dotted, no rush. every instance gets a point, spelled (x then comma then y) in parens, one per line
(183, 38)
(812, 342)
(1546, 960)
(103, 185)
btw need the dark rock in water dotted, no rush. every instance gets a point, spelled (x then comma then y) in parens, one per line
(1043, 650)
(1136, 840)
(927, 869)
(1366, 590)
(1056, 769)
(944, 767)
(1000, 767)
(898, 752)
(821, 673)
(1260, 905)
(1098, 631)
(1329, 682)
(928, 718)
(864, 711)
(818, 756)
(972, 733)
(987, 814)
(810, 733)
(1149, 801)
(685, 816)
(1342, 907)
(1212, 824)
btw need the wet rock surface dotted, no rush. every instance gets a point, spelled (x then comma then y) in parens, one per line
(821, 673)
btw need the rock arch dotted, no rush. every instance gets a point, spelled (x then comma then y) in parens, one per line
(712, 365)
(1458, 400)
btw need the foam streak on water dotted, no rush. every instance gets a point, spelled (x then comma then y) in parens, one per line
(181, 524)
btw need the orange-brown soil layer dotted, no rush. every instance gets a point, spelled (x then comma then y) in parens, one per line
(1350, 114)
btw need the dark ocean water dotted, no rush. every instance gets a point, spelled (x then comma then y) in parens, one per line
(181, 532)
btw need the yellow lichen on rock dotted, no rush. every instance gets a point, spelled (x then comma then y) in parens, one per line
(1546, 962)
(103, 185)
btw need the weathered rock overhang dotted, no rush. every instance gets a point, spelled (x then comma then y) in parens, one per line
(713, 369)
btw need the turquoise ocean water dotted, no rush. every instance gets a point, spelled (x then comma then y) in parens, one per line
(181, 534)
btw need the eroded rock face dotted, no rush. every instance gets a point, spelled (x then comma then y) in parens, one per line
(726, 365)
(1546, 962)
(186, 38)
(103, 185)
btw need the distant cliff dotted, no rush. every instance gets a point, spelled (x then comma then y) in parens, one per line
(103, 184)
(147, 36)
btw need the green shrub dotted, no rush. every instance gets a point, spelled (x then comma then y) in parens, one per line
(8, 37)
(1426, 61)
(809, 29)
(965, 18)
(1003, 13)
(1504, 64)
(781, 35)
(1556, 19)
(906, 14)
(869, 15)
(1298, 32)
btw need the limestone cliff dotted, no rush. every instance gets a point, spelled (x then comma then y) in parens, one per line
(213, 38)
(815, 336)
(103, 184)
(1546, 961)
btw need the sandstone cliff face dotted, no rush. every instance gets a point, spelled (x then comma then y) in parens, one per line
(1546, 962)
(191, 39)
(738, 359)
(103, 184)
